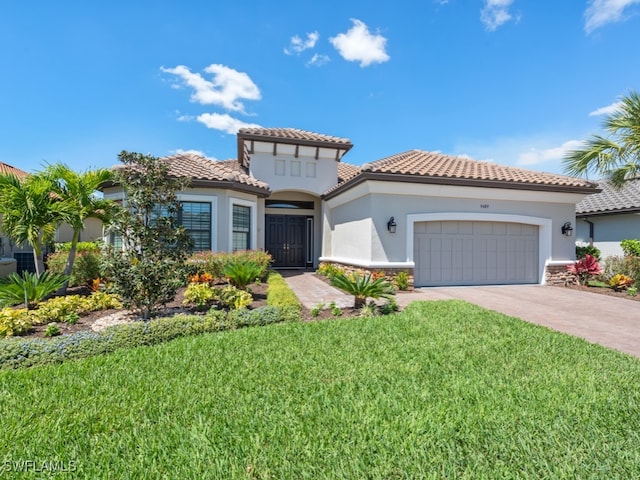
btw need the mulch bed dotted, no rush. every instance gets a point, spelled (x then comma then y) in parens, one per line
(603, 291)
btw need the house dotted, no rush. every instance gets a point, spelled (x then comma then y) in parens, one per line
(22, 254)
(608, 217)
(446, 220)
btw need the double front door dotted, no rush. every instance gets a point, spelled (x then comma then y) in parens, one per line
(288, 239)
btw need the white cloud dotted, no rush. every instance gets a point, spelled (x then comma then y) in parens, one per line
(224, 122)
(608, 110)
(495, 13)
(534, 156)
(297, 44)
(601, 12)
(226, 88)
(318, 60)
(358, 44)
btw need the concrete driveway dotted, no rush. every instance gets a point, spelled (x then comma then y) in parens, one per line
(608, 321)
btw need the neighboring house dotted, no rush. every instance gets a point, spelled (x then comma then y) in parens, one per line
(608, 217)
(23, 254)
(446, 220)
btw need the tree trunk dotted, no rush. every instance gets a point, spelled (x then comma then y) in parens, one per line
(359, 301)
(68, 268)
(38, 260)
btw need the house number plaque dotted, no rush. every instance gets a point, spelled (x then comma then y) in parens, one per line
(484, 205)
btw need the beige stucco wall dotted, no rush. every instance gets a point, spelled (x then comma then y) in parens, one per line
(285, 171)
(356, 220)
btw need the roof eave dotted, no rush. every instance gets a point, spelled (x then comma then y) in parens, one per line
(466, 182)
(619, 211)
(295, 141)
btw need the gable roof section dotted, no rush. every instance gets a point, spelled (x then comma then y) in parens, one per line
(612, 200)
(6, 169)
(418, 166)
(290, 136)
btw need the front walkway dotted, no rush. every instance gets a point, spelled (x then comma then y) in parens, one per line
(608, 321)
(312, 291)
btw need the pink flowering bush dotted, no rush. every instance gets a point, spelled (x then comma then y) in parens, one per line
(585, 267)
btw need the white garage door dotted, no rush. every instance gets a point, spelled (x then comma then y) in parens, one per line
(475, 253)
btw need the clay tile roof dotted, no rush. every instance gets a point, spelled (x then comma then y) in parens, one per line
(6, 169)
(346, 171)
(198, 167)
(612, 199)
(421, 166)
(293, 135)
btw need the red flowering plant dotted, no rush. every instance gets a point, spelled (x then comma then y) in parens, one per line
(584, 268)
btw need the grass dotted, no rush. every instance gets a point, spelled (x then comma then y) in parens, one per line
(442, 390)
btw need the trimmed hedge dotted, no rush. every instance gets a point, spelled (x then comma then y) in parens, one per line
(17, 353)
(280, 295)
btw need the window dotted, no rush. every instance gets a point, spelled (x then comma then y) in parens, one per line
(195, 217)
(290, 204)
(241, 228)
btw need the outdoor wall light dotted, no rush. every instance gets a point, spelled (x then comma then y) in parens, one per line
(391, 225)
(567, 229)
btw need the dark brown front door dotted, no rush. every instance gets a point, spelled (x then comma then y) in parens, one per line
(286, 240)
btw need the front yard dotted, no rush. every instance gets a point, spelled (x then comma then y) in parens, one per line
(441, 390)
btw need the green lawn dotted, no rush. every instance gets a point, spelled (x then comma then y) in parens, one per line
(443, 390)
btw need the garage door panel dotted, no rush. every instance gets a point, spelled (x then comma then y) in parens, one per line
(475, 253)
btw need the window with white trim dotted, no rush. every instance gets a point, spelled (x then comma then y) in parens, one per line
(241, 227)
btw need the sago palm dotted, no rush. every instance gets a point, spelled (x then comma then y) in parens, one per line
(362, 287)
(617, 156)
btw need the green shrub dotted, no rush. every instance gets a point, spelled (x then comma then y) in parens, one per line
(629, 266)
(214, 263)
(631, 247)
(241, 273)
(362, 287)
(17, 353)
(28, 288)
(200, 294)
(86, 266)
(15, 322)
(233, 298)
(52, 330)
(401, 280)
(583, 251)
(279, 294)
(259, 316)
(330, 270)
(81, 247)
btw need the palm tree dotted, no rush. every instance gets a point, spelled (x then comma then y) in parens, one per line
(30, 212)
(616, 157)
(78, 192)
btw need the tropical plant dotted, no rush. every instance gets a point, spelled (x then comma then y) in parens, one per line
(86, 266)
(31, 212)
(582, 251)
(585, 267)
(29, 288)
(362, 287)
(620, 282)
(51, 330)
(330, 270)
(616, 157)
(402, 280)
(199, 294)
(234, 298)
(631, 247)
(241, 273)
(78, 192)
(628, 265)
(150, 268)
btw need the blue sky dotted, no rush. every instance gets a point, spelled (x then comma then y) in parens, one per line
(512, 81)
